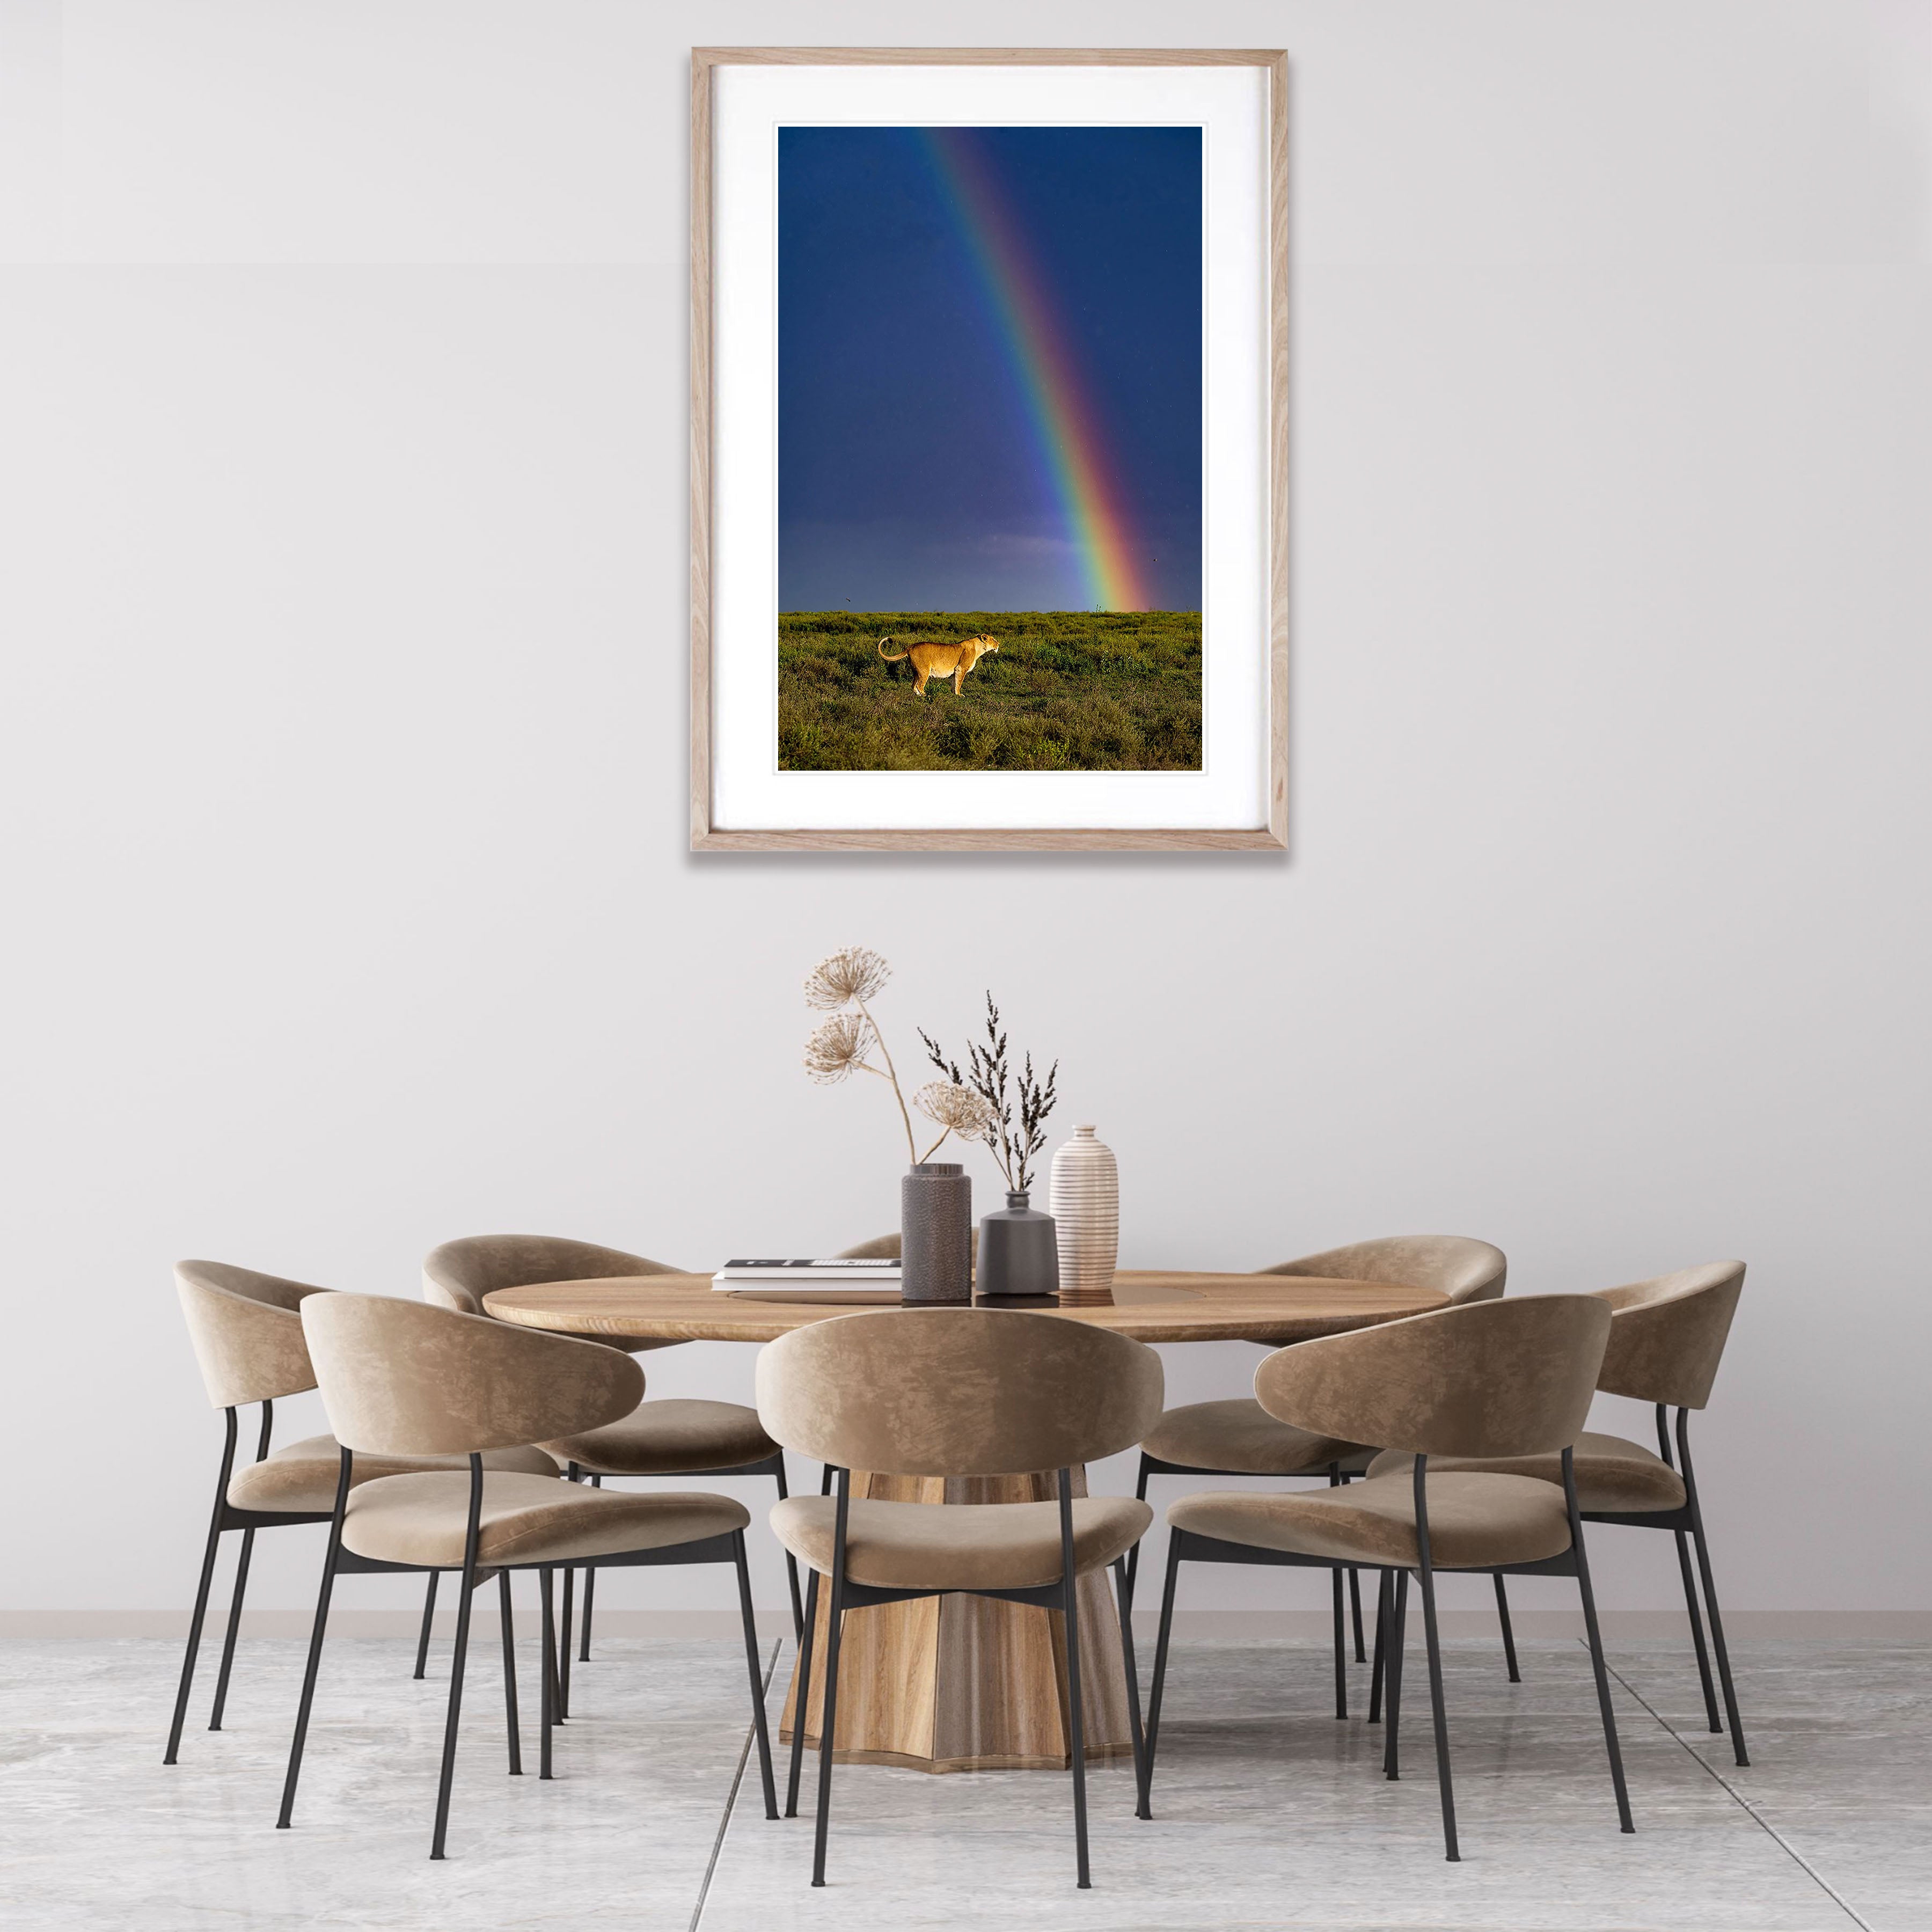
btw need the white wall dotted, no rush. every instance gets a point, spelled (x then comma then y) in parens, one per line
(342, 345)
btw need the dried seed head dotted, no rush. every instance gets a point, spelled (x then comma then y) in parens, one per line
(838, 1047)
(853, 973)
(958, 1109)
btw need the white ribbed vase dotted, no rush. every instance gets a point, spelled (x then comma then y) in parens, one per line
(1086, 1209)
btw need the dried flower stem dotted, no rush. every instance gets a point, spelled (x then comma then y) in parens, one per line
(891, 1072)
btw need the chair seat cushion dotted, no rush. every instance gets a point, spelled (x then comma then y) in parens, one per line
(668, 1438)
(1241, 1438)
(959, 1545)
(424, 1519)
(300, 1479)
(1618, 1477)
(1473, 1520)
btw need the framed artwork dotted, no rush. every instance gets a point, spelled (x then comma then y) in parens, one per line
(988, 440)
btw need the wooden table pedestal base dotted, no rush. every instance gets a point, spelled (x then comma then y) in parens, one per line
(961, 1683)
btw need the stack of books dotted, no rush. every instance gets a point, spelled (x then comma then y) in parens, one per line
(833, 1280)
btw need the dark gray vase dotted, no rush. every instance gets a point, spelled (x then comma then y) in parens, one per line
(935, 1235)
(1019, 1252)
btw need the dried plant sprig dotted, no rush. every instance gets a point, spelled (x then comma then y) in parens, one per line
(958, 1109)
(1036, 1100)
(989, 1074)
(838, 1048)
(849, 977)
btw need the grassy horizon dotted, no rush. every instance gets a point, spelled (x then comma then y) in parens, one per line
(1066, 690)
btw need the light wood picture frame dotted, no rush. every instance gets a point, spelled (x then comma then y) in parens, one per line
(1260, 823)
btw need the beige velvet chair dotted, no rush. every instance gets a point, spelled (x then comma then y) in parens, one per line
(247, 1338)
(887, 1248)
(403, 1379)
(665, 1438)
(880, 1248)
(1237, 1437)
(956, 1392)
(1487, 1379)
(1667, 1336)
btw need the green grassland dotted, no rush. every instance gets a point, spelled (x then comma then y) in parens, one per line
(1067, 690)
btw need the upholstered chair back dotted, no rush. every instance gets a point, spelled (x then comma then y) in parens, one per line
(405, 1379)
(247, 1337)
(885, 1248)
(957, 1391)
(1463, 1269)
(880, 1248)
(1667, 1334)
(459, 1274)
(1488, 1378)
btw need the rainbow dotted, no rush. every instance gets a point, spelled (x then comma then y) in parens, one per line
(1072, 443)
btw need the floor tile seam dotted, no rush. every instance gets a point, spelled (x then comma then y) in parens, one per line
(731, 1796)
(1743, 1803)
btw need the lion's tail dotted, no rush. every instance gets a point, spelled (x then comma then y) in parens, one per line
(892, 657)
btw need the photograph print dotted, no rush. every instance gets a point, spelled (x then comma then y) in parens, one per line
(989, 448)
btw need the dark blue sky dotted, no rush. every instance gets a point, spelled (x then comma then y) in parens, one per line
(910, 471)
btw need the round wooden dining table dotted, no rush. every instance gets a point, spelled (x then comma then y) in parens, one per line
(961, 1683)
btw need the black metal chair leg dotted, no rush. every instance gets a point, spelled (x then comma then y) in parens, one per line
(1439, 1712)
(802, 1702)
(428, 1618)
(1076, 1711)
(1346, 1477)
(194, 1623)
(797, 1596)
(589, 1600)
(504, 1613)
(758, 1724)
(1384, 1609)
(1134, 1554)
(1336, 1481)
(1697, 1537)
(234, 1626)
(1509, 1634)
(1392, 1678)
(1704, 1677)
(1124, 1602)
(829, 1723)
(1724, 1678)
(1710, 1689)
(1341, 1648)
(1425, 1573)
(1076, 1731)
(565, 1641)
(1599, 1669)
(547, 1722)
(1160, 1650)
(330, 1557)
(791, 1561)
(459, 1656)
(240, 1586)
(590, 1596)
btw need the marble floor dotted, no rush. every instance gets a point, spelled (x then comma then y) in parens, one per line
(1269, 1812)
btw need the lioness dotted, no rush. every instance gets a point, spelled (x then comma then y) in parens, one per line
(948, 660)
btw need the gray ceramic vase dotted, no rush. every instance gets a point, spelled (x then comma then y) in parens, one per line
(935, 1235)
(1019, 1252)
